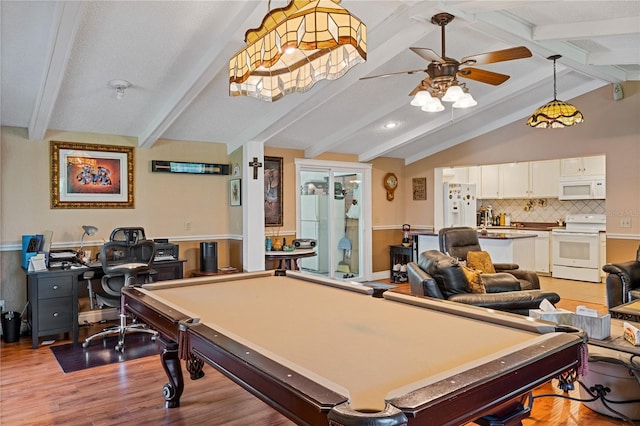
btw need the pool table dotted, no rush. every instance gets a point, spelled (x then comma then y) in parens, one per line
(327, 352)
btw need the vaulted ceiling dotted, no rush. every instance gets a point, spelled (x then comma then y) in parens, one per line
(58, 57)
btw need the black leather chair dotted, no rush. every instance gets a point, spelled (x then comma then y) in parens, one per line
(124, 264)
(458, 241)
(623, 281)
(440, 276)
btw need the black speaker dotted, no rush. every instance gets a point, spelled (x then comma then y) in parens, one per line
(209, 257)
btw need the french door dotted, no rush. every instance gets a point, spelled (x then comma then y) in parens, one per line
(333, 202)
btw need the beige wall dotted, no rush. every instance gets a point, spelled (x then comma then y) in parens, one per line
(163, 202)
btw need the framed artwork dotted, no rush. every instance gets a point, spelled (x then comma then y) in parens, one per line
(85, 176)
(419, 189)
(235, 196)
(273, 191)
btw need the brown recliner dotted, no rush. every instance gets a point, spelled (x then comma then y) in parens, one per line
(458, 241)
(623, 281)
(440, 276)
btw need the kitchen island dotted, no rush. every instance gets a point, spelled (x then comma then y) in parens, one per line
(504, 247)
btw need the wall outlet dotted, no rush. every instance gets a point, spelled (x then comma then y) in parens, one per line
(2, 305)
(187, 225)
(625, 222)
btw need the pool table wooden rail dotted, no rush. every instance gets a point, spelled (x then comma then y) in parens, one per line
(496, 387)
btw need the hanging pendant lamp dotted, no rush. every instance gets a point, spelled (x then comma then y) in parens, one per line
(556, 113)
(295, 47)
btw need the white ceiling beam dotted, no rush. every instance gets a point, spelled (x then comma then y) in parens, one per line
(211, 63)
(504, 27)
(619, 56)
(587, 30)
(63, 33)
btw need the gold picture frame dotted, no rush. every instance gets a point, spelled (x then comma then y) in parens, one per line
(89, 176)
(419, 188)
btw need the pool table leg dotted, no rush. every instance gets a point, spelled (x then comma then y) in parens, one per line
(172, 391)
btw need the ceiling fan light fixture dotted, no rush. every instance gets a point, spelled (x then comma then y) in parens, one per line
(465, 101)
(323, 41)
(453, 93)
(555, 114)
(434, 106)
(421, 98)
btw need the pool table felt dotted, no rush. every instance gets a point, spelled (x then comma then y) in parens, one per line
(365, 348)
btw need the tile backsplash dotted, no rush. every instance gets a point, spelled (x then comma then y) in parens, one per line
(550, 211)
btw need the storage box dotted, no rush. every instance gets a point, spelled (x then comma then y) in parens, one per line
(559, 316)
(596, 327)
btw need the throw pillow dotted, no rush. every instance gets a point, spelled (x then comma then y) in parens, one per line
(481, 261)
(474, 277)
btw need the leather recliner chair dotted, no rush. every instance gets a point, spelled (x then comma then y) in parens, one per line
(458, 241)
(440, 276)
(623, 281)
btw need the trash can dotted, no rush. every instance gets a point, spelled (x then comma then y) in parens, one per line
(209, 256)
(11, 322)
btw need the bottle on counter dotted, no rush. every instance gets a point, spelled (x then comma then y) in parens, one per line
(502, 219)
(507, 219)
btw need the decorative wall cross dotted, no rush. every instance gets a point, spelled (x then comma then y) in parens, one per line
(255, 164)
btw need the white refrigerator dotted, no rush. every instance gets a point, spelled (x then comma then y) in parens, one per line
(314, 224)
(460, 204)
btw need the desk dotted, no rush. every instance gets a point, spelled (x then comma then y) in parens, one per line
(289, 259)
(53, 296)
(315, 348)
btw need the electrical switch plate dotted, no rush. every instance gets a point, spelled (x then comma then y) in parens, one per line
(625, 222)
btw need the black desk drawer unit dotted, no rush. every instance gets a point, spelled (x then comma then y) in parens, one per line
(53, 303)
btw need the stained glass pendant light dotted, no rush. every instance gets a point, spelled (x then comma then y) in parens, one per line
(296, 46)
(555, 114)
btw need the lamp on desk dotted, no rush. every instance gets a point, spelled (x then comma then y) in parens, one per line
(88, 230)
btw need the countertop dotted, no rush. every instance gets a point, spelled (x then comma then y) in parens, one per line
(491, 235)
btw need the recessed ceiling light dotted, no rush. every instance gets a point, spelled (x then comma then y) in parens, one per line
(390, 125)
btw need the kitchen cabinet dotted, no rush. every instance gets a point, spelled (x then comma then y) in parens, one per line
(544, 177)
(461, 175)
(514, 179)
(529, 179)
(583, 166)
(542, 249)
(489, 182)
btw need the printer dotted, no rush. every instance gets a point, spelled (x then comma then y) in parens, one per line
(166, 250)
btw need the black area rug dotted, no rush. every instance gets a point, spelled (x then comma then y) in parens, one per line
(101, 352)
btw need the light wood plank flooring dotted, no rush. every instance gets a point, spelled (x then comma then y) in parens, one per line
(35, 391)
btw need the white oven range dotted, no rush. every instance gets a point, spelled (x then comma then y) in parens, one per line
(576, 248)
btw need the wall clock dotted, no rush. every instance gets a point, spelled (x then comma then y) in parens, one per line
(390, 184)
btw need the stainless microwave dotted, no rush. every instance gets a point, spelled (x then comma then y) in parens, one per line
(588, 188)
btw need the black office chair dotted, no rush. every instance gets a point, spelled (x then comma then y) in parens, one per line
(125, 264)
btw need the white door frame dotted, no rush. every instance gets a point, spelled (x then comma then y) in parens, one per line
(365, 202)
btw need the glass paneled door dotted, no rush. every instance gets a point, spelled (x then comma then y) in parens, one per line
(330, 201)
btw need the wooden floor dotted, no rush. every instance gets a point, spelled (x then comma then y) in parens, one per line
(35, 391)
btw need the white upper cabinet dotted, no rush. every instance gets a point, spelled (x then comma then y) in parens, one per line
(534, 179)
(583, 166)
(489, 181)
(514, 179)
(544, 177)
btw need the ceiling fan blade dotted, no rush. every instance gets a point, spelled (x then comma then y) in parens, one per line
(424, 85)
(497, 56)
(393, 73)
(483, 76)
(426, 53)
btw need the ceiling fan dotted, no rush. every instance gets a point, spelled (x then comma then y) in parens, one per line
(442, 72)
